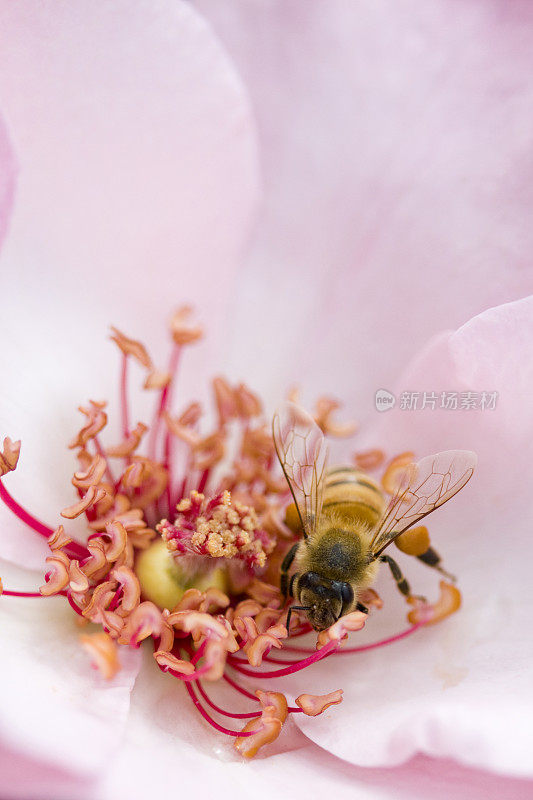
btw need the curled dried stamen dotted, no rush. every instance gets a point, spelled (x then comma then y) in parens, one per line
(57, 578)
(92, 496)
(209, 451)
(131, 347)
(96, 420)
(247, 402)
(58, 539)
(103, 651)
(340, 629)
(157, 379)
(169, 661)
(78, 580)
(448, 603)
(130, 443)
(369, 460)
(181, 329)
(369, 597)
(144, 621)
(264, 593)
(265, 728)
(92, 475)
(181, 430)
(324, 409)
(314, 704)
(197, 623)
(395, 471)
(131, 590)
(117, 539)
(264, 643)
(9, 456)
(248, 608)
(225, 400)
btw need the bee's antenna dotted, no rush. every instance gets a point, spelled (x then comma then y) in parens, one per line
(289, 612)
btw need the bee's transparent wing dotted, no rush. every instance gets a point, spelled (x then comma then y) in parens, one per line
(303, 454)
(424, 486)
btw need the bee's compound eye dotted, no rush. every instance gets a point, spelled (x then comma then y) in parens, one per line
(346, 593)
(309, 580)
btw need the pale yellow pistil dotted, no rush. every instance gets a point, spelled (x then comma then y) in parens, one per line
(164, 582)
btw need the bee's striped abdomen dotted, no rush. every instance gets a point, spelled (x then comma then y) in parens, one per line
(353, 494)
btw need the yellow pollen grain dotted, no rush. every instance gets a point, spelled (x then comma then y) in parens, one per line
(233, 517)
(197, 539)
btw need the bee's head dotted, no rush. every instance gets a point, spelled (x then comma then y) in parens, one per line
(323, 600)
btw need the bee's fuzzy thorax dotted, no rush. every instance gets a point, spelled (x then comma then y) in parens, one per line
(338, 550)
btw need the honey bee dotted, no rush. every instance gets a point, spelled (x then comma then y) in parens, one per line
(345, 521)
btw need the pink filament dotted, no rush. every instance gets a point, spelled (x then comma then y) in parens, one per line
(383, 642)
(361, 648)
(209, 719)
(115, 602)
(249, 715)
(73, 604)
(199, 653)
(164, 401)
(22, 514)
(203, 480)
(124, 396)
(30, 594)
(101, 452)
(296, 667)
(74, 549)
(219, 710)
(239, 688)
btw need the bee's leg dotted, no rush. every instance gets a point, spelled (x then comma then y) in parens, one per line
(292, 581)
(415, 542)
(432, 559)
(288, 621)
(361, 607)
(397, 574)
(285, 567)
(289, 614)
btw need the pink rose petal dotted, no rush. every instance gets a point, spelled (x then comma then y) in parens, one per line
(461, 689)
(138, 179)
(396, 140)
(55, 707)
